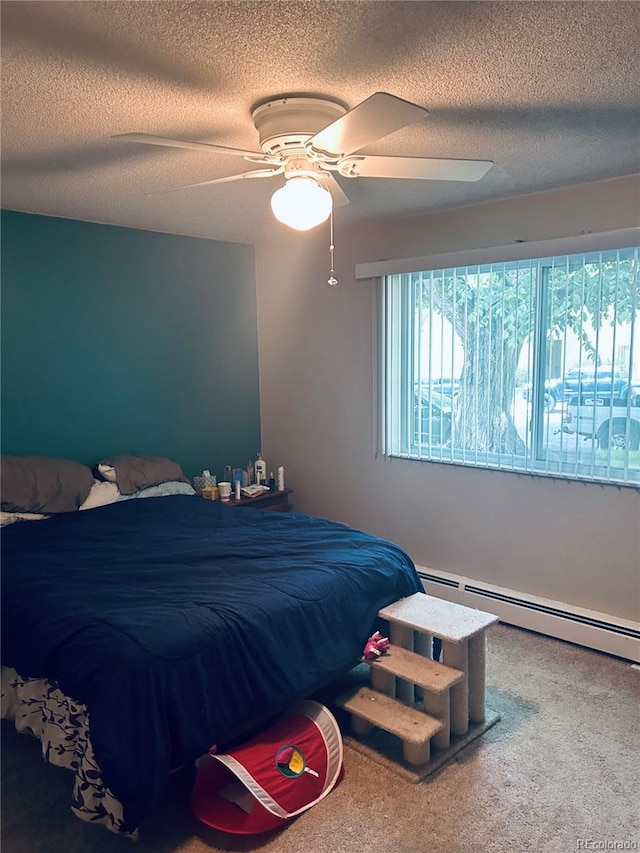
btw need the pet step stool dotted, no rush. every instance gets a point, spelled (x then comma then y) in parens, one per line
(415, 620)
(369, 708)
(453, 691)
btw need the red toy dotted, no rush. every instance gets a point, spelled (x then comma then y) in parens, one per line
(376, 646)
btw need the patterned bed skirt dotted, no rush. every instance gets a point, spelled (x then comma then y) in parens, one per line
(62, 726)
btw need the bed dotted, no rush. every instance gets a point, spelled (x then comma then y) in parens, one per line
(137, 635)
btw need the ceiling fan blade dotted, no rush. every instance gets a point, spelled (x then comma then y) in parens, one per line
(420, 168)
(377, 116)
(255, 173)
(339, 196)
(150, 139)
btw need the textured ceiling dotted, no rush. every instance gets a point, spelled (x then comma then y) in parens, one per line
(548, 91)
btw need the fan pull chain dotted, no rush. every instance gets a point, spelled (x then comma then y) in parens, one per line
(332, 280)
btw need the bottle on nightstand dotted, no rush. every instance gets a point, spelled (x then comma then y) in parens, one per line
(260, 469)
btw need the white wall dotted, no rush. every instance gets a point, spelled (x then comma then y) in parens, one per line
(571, 542)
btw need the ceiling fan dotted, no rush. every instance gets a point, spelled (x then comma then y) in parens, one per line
(306, 139)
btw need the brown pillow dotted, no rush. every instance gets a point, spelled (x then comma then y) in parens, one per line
(138, 472)
(43, 484)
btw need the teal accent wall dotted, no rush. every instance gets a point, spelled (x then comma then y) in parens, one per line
(123, 341)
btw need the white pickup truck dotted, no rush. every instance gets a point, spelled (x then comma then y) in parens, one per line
(611, 419)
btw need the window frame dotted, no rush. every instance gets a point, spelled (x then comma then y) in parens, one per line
(534, 462)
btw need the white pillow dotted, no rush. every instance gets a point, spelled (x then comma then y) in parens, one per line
(172, 487)
(101, 494)
(9, 517)
(108, 472)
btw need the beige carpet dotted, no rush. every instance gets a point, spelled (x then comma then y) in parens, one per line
(558, 772)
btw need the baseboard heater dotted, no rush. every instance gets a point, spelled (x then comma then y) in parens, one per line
(599, 631)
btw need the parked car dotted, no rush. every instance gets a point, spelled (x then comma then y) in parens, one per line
(592, 378)
(607, 418)
(446, 386)
(442, 384)
(584, 379)
(432, 417)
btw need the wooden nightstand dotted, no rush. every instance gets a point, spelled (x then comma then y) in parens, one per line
(276, 501)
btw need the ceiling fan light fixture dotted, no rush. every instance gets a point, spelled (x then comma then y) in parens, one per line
(309, 138)
(301, 203)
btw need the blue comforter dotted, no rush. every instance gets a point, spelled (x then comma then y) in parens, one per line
(179, 622)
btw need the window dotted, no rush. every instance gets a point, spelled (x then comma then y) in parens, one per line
(529, 366)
